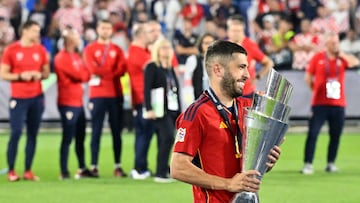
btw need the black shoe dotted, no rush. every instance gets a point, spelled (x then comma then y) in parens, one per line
(119, 172)
(86, 173)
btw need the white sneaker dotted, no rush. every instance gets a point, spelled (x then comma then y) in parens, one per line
(308, 169)
(331, 168)
(134, 174)
(164, 180)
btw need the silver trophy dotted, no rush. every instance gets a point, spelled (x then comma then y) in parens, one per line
(265, 124)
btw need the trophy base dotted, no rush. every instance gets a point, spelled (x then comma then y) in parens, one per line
(246, 197)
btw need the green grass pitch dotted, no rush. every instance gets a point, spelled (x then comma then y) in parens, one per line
(284, 184)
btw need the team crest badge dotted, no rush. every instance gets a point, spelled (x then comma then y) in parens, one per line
(180, 135)
(91, 106)
(69, 115)
(12, 104)
(36, 57)
(19, 56)
(112, 54)
(98, 53)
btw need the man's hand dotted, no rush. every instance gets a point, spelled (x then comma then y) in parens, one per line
(26, 76)
(245, 181)
(36, 75)
(273, 157)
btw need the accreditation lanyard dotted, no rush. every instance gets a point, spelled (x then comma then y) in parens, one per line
(222, 112)
(106, 51)
(327, 66)
(170, 80)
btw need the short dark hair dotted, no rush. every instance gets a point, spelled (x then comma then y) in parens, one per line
(29, 24)
(106, 21)
(237, 18)
(221, 51)
(201, 39)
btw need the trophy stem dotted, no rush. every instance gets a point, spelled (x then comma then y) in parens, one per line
(246, 197)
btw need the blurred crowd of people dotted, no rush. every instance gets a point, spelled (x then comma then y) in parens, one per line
(289, 31)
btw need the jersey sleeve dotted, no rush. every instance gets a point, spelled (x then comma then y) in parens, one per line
(312, 65)
(257, 53)
(189, 134)
(45, 55)
(122, 64)
(6, 57)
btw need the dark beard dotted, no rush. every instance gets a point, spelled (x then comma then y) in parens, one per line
(228, 85)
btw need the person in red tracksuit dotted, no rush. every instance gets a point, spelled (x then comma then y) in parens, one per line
(107, 64)
(138, 57)
(71, 74)
(236, 34)
(24, 64)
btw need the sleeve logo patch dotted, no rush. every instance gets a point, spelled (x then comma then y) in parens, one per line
(180, 135)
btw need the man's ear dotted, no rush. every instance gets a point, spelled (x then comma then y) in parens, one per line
(218, 70)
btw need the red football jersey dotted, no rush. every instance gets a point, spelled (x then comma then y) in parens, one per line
(137, 59)
(202, 132)
(108, 63)
(71, 73)
(318, 66)
(254, 55)
(20, 59)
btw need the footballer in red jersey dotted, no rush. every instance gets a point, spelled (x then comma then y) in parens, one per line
(71, 74)
(107, 64)
(325, 75)
(207, 153)
(236, 34)
(24, 64)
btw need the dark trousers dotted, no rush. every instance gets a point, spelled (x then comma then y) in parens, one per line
(98, 109)
(73, 125)
(336, 117)
(23, 111)
(143, 133)
(165, 130)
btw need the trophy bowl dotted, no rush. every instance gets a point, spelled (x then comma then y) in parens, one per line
(267, 106)
(278, 87)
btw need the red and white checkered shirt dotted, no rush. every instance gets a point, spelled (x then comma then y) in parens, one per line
(70, 16)
(301, 58)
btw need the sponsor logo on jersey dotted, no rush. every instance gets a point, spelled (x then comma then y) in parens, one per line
(222, 125)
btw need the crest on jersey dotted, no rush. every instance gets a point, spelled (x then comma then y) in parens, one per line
(91, 106)
(338, 62)
(19, 56)
(36, 56)
(12, 104)
(69, 115)
(112, 54)
(97, 53)
(180, 135)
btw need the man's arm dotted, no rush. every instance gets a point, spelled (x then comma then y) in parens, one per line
(351, 60)
(309, 80)
(184, 170)
(6, 74)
